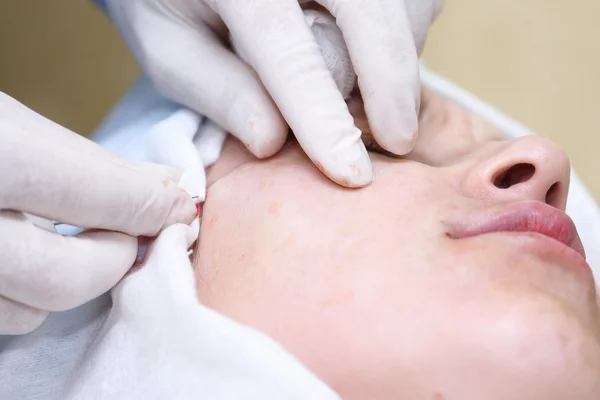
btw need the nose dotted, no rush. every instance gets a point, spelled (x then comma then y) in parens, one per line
(530, 168)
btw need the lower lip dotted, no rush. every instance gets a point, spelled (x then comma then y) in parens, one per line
(546, 248)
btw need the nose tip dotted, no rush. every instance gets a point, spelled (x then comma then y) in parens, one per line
(530, 168)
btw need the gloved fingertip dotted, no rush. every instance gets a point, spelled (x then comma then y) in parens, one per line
(182, 235)
(265, 146)
(393, 113)
(401, 144)
(397, 135)
(263, 135)
(351, 167)
(183, 209)
(357, 177)
(188, 232)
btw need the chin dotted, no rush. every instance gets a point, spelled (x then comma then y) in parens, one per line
(536, 349)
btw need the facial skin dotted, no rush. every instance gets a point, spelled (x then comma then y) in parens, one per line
(375, 291)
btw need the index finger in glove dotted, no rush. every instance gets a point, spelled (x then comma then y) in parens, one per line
(382, 48)
(47, 172)
(193, 68)
(279, 45)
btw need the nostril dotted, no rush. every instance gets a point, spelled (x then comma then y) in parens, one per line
(514, 175)
(552, 196)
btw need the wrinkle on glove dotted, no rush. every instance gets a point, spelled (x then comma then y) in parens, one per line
(333, 47)
(158, 342)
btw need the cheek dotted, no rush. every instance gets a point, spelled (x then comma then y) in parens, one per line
(334, 275)
(362, 287)
(346, 280)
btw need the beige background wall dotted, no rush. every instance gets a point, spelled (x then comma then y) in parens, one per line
(537, 60)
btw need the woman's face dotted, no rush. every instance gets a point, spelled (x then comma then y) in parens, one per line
(453, 276)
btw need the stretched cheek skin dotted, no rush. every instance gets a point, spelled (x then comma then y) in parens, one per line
(364, 288)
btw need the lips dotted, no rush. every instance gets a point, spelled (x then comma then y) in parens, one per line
(535, 217)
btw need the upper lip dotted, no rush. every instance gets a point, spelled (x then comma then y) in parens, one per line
(531, 216)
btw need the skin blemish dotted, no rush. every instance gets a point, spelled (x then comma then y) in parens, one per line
(214, 218)
(274, 208)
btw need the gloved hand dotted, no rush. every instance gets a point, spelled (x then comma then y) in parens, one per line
(180, 45)
(167, 346)
(50, 172)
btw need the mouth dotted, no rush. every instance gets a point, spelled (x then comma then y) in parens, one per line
(531, 217)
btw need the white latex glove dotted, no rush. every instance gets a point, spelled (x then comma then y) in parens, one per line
(180, 45)
(160, 343)
(50, 172)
